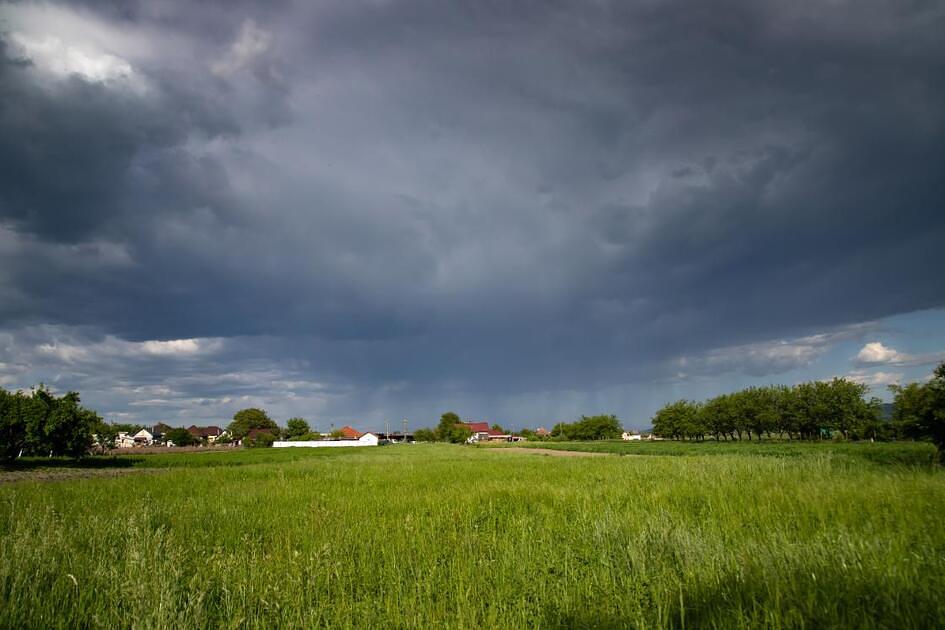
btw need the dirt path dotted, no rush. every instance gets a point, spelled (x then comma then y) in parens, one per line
(66, 474)
(551, 453)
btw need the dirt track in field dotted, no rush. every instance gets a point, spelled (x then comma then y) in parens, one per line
(552, 453)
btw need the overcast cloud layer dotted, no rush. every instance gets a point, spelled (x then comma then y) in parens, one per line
(523, 211)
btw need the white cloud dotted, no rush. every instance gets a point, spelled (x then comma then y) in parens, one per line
(60, 58)
(876, 379)
(70, 352)
(174, 347)
(251, 43)
(876, 352)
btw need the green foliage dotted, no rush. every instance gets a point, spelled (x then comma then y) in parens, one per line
(105, 436)
(806, 411)
(262, 439)
(447, 427)
(181, 437)
(247, 419)
(295, 428)
(817, 540)
(919, 409)
(603, 427)
(40, 423)
(451, 429)
(306, 437)
(424, 435)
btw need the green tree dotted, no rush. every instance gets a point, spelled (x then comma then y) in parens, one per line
(601, 427)
(248, 419)
(919, 409)
(41, 423)
(447, 426)
(105, 436)
(296, 427)
(181, 437)
(424, 435)
(262, 439)
(682, 419)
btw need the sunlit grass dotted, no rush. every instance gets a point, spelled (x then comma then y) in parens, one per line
(450, 536)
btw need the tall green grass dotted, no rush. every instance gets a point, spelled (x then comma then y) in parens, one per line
(921, 454)
(449, 536)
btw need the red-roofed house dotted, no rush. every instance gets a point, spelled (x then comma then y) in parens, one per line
(210, 433)
(482, 433)
(350, 432)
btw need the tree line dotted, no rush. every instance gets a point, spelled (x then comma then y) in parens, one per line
(810, 411)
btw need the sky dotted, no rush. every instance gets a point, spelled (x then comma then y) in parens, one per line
(523, 212)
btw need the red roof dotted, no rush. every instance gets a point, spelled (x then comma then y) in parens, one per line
(350, 432)
(477, 427)
(495, 433)
(211, 431)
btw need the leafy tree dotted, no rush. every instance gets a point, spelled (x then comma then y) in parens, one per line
(181, 437)
(602, 427)
(498, 427)
(720, 416)
(919, 409)
(424, 435)
(447, 426)
(41, 423)
(262, 439)
(296, 427)
(105, 436)
(459, 434)
(247, 419)
(679, 420)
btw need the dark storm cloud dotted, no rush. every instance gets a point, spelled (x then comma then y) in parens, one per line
(487, 197)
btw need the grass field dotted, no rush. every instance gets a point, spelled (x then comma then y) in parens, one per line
(460, 537)
(920, 454)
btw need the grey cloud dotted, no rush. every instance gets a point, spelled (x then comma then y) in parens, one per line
(485, 199)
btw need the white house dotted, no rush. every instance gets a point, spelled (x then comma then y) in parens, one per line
(366, 439)
(630, 436)
(143, 438)
(124, 440)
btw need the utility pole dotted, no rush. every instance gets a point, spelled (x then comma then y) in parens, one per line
(386, 429)
(405, 430)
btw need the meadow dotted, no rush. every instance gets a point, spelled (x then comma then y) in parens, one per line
(462, 537)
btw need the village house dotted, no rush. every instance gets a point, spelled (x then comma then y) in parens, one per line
(211, 434)
(630, 436)
(482, 433)
(143, 438)
(124, 440)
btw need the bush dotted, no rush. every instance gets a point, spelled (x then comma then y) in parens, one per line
(260, 440)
